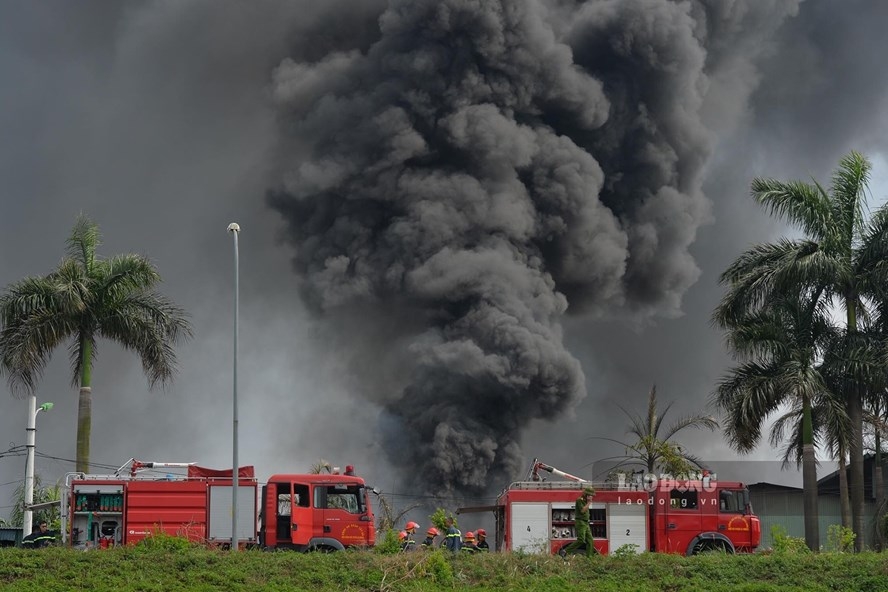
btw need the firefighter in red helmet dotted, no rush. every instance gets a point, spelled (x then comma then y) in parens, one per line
(468, 545)
(409, 543)
(481, 543)
(429, 542)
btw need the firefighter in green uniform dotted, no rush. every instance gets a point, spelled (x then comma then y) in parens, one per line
(581, 521)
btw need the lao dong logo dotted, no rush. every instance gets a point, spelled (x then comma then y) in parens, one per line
(683, 482)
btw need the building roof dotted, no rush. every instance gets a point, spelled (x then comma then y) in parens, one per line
(830, 483)
(764, 486)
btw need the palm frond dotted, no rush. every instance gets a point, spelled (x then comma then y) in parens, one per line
(27, 345)
(83, 242)
(802, 204)
(148, 324)
(699, 422)
(871, 258)
(124, 274)
(768, 270)
(849, 185)
(36, 315)
(746, 396)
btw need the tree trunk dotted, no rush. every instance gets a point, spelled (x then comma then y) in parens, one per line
(855, 485)
(844, 502)
(855, 448)
(878, 487)
(877, 475)
(84, 407)
(809, 480)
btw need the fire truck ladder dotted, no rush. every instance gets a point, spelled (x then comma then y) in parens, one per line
(541, 466)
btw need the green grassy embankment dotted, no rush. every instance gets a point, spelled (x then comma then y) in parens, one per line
(200, 569)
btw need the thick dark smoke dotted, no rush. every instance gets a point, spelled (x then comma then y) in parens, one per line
(155, 119)
(478, 168)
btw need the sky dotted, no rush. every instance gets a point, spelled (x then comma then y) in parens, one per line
(469, 229)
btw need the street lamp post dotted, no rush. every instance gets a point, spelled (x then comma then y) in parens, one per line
(234, 229)
(33, 410)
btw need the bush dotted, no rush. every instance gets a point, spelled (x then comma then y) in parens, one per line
(437, 566)
(786, 544)
(389, 545)
(439, 518)
(628, 550)
(840, 538)
(161, 541)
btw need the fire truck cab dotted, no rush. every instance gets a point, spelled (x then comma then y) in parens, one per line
(322, 512)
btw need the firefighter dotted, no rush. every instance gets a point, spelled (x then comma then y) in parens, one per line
(581, 521)
(402, 538)
(429, 542)
(482, 545)
(39, 538)
(409, 542)
(453, 537)
(468, 545)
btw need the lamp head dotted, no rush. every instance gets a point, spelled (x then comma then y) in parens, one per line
(45, 407)
(234, 227)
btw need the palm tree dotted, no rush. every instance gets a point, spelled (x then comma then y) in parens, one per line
(85, 298)
(320, 466)
(841, 255)
(654, 450)
(831, 430)
(779, 346)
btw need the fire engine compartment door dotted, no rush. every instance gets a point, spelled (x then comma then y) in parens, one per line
(88, 517)
(220, 511)
(628, 526)
(530, 527)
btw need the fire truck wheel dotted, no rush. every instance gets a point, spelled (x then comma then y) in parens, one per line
(322, 549)
(709, 547)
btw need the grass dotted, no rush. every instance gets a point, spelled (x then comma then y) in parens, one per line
(161, 569)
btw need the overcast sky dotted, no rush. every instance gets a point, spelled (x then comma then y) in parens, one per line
(165, 121)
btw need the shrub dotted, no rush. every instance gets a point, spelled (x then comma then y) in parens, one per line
(840, 538)
(437, 566)
(161, 541)
(389, 545)
(786, 544)
(439, 517)
(628, 550)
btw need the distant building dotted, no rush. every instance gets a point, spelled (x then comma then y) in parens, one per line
(10, 536)
(784, 505)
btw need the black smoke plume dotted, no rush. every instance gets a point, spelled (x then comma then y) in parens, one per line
(459, 177)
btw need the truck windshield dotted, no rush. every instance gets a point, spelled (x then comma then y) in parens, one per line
(338, 497)
(732, 501)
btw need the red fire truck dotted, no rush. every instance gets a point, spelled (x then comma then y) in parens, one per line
(685, 516)
(325, 512)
